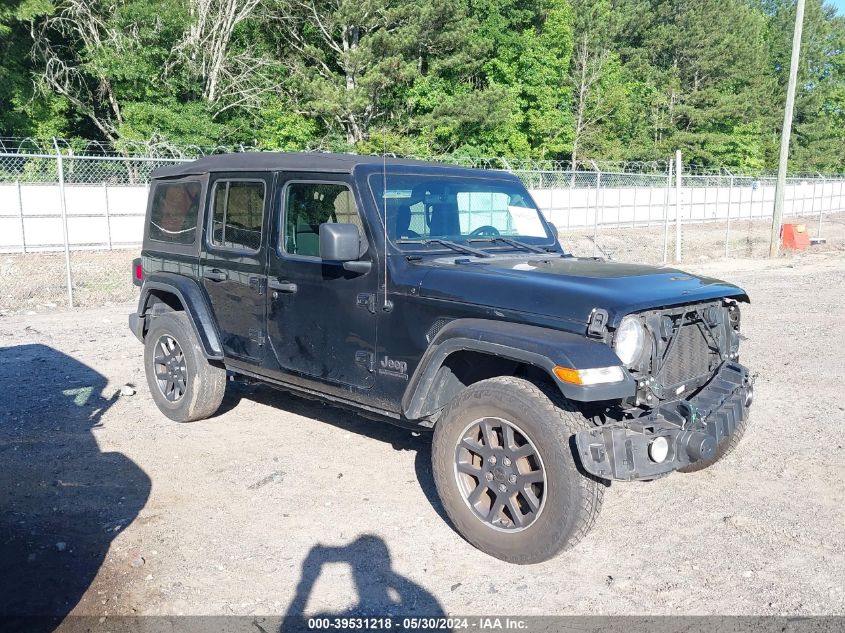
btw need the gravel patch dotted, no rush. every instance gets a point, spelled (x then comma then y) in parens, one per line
(283, 505)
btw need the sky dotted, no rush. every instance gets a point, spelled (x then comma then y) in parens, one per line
(839, 4)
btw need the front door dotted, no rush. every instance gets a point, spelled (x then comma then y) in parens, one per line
(321, 318)
(234, 260)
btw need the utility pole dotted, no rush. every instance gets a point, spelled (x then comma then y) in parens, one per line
(777, 217)
(678, 170)
(61, 169)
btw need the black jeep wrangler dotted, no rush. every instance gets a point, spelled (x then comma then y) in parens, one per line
(439, 297)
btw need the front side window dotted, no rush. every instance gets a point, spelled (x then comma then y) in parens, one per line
(238, 214)
(456, 208)
(173, 216)
(310, 204)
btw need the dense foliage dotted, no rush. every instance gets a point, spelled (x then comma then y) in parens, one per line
(557, 79)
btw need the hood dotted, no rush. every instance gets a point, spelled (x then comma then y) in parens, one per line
(567, 287)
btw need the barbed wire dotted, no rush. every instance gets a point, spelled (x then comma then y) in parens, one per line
(163, 150)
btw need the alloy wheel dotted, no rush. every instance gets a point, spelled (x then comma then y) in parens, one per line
(171, 371)
(500, 474)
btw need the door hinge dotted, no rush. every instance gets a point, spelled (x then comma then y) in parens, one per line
(366, 300)
(367, 359)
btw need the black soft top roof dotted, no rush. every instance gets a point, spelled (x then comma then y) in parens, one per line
(283, 161)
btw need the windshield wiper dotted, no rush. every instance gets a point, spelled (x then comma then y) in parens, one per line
(512, 242)
(461, 248)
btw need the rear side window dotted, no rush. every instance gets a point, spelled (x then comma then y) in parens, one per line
(173, 217)
(238, 214)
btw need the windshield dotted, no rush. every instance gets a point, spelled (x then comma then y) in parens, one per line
(457, 209)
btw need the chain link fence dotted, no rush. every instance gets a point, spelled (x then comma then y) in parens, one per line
(70, 226)
(71, 222)
(638, 217)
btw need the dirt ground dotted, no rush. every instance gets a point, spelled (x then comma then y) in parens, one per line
(281, 505)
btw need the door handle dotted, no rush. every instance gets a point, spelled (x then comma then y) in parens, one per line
(215, 274)
(283, 286)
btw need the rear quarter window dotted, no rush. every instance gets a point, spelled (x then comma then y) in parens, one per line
(174, 212)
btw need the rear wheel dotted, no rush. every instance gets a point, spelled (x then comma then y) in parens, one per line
(506, 473)
(183, 384)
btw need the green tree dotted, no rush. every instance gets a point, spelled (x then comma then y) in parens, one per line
(520, 106)
(705, 85)
(19, 114)
(818, 139)
(350, 63)
(598, 89)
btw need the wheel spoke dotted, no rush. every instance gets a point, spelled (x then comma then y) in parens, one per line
(510, 437)
(486, 433)
(474, 447)
(476, 494)
(516, 515)
(496, 509)
(469, 469)
(534, 477)
(530, 498)
(525, 450)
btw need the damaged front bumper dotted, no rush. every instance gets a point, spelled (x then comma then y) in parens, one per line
(692, 430)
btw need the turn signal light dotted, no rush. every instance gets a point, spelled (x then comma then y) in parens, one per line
(592, 376)
(568, 375)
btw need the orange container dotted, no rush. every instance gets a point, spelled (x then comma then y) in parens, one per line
(794, 236)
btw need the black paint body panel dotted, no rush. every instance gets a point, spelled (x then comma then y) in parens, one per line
(374, 338)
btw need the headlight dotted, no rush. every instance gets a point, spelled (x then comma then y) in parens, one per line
(629, 340)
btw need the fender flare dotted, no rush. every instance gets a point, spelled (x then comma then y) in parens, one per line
(195, 302)
(538, 346)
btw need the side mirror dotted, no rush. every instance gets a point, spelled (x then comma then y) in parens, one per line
(341, 243)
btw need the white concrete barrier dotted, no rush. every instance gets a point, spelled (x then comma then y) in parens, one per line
(106, 216)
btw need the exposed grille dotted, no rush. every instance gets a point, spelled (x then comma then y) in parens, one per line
(690, 356)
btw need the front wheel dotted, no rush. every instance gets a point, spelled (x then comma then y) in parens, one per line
(505, 470)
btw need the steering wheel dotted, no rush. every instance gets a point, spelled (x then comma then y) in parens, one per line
(485, 231)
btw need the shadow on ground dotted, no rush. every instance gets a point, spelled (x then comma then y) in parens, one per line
(380, 590)
(62, 500)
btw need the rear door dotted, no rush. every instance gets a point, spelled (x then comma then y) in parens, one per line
(234, 260)
(321, 318)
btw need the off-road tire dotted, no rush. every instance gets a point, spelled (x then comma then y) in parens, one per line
(573, 498)
(724, 449)
(206, 383)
